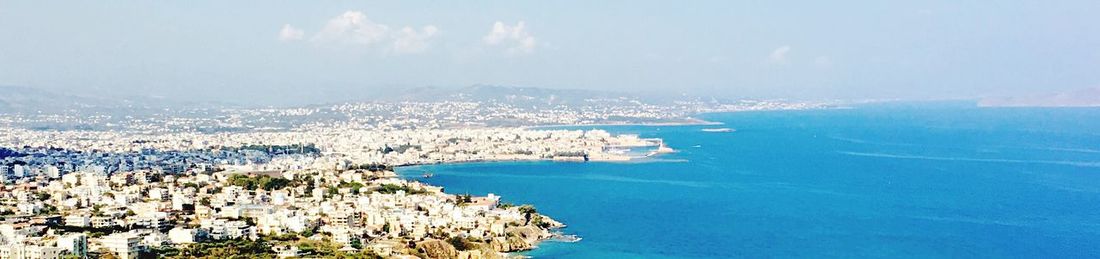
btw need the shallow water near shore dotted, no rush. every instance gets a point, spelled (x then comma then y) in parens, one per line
(927, 180)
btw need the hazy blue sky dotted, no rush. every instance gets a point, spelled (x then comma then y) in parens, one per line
(275, 51)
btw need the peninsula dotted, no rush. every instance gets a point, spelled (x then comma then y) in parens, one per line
(312, 181)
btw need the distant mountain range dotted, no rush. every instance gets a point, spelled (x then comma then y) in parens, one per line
(15, 99)
(1078, 98)
(512, 95)
(25, 99)
(540, 97)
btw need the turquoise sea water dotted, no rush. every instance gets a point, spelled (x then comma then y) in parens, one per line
(879, 181)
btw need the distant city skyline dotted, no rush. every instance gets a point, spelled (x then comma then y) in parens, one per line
(256, 52)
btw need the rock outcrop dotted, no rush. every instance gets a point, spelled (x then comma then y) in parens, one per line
(437, 249)
(517, 238)
(482, 252)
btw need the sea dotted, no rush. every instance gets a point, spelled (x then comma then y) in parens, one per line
(908, 180)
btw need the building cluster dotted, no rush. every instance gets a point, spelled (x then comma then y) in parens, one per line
(127, 213)
(81, 193)
(52, 153)
(173, 182)
(387, 115)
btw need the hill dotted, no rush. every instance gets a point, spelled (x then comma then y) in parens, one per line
(1089, 97)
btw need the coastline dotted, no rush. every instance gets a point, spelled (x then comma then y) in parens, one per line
(521, 227)
(687, 121)
(549, 160)
(553, 231)
(695, 122)
(521, 239)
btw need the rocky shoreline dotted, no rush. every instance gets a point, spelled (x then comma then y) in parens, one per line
(536, 229)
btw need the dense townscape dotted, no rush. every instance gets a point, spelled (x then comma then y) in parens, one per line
(506, 111)
(294, 182)
(427, 129)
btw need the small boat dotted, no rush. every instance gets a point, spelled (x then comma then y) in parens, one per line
(565, 238)
(428, 175)
(718, 130)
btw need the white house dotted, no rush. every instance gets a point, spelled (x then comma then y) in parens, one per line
(124, 245)
(182, 235)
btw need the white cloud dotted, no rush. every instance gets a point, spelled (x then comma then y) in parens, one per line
(515, 38)
(408, 40)
(779, 55)
(354, 29)
(289, 33)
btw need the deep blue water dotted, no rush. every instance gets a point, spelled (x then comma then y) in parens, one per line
(876, 181)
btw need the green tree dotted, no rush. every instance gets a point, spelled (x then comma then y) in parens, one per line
(528, 211)
(356, 243)
(393, 188)
(259, 182)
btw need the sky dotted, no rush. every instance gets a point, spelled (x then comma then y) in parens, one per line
(278, 52)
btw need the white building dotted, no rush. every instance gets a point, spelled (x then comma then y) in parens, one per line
(78, 221)
(286, 252)
(53, 172)
(20, 251)
(182, 235)
(18, 171)
(75, 244)
(124, 245)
